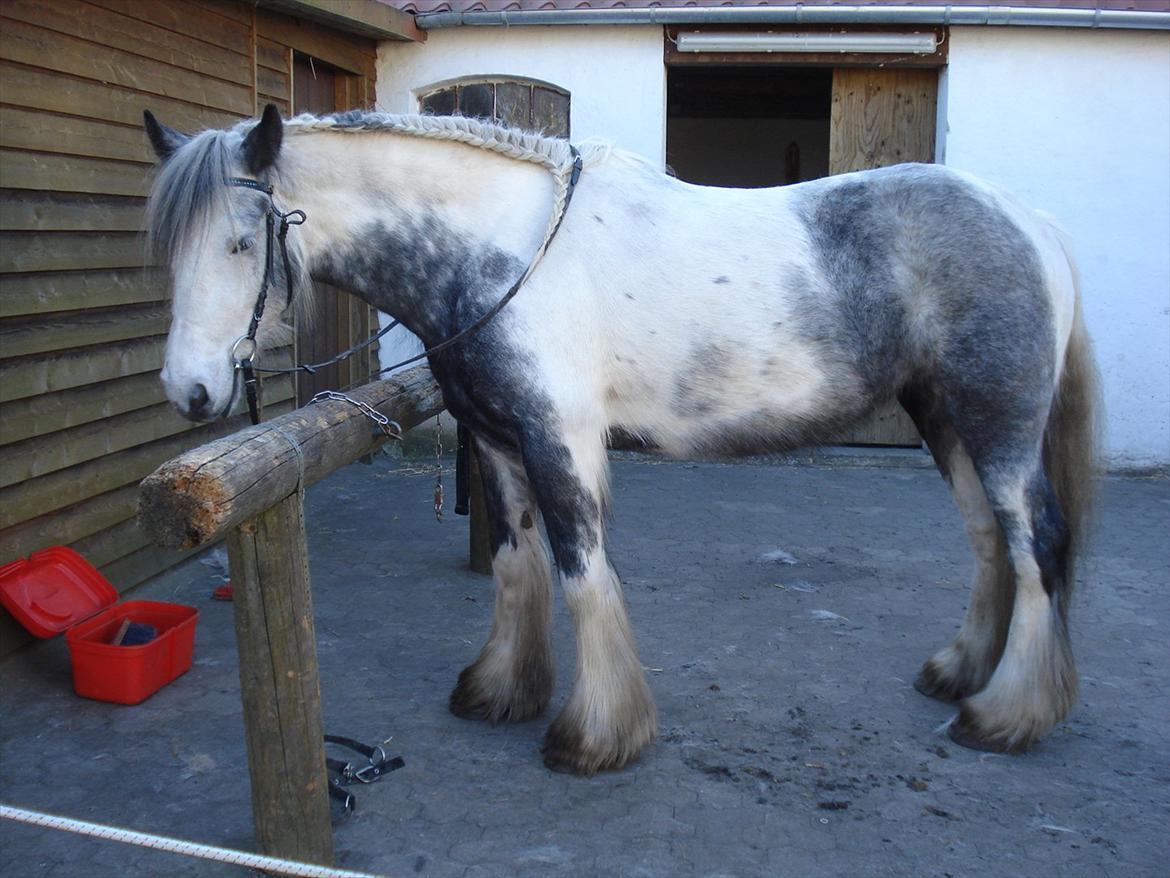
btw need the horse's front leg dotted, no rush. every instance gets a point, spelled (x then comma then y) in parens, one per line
(609, 717)
(512, 678)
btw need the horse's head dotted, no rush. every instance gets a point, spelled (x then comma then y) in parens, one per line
(214, 237)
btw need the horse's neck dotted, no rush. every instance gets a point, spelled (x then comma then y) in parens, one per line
(430, 232)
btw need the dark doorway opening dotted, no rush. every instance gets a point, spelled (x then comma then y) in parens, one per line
(748, 126)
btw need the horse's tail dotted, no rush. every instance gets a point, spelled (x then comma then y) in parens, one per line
(1072, 437)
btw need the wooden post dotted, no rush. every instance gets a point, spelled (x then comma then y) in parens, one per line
(245, 486)
(279, 684)
(480, 538)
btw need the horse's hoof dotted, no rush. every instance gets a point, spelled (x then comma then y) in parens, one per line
(469, 701)
(566, 751)
(964, 730)
(931, 684)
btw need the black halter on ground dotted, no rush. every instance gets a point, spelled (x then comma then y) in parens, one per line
(243, 359)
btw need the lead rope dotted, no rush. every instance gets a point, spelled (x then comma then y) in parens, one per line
(438, 470)
(177, 845)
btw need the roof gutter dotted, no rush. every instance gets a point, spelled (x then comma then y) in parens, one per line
(799, 14)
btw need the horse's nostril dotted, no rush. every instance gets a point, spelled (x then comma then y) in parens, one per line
(198, 399)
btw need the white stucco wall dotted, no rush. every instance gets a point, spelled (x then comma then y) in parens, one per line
(1077, 123)
(614, 75)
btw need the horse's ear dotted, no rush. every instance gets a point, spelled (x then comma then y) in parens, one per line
(164, 140)
(262, 145)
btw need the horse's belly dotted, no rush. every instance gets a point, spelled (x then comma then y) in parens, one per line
(725, 395)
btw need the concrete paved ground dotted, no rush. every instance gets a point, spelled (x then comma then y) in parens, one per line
(791, 741)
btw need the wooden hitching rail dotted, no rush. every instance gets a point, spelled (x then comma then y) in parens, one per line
(245, 486)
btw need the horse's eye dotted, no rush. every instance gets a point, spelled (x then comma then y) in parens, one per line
(242, 245)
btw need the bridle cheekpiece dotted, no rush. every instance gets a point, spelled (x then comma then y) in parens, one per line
(244, 349)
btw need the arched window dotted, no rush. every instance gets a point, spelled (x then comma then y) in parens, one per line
(520, 103)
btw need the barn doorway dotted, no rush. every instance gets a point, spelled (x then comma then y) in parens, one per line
(748, 126)
(744, 125)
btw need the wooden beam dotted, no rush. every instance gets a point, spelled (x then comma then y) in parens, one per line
(369, 19)
(280, 684)
(199, 495)
(345, 51)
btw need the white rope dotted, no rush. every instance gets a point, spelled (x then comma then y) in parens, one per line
(178, 846)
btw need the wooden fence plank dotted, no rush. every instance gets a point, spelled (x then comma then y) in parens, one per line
(272, 55)
(279, 683)
(352, 54)
(84, 519)
(64, 173)
(241, 13)
(45, 334)
(70, 251)
(112, 544)
(35, 497)
(37, 47)
(54, 92)
(175, 15)
(262, 100)
(34, 130)
(135, 568)
(45, 293)
(273, 84)
(35, 375)
(29, 210)
(131, 33)
(47, 413)
(45, 454)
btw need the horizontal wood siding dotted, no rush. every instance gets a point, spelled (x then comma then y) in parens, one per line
(83, 321)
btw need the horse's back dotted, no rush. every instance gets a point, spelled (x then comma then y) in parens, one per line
(769, 318)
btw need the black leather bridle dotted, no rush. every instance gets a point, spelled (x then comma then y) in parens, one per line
(244, 349)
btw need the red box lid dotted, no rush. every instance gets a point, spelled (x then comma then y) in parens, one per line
(54, 589)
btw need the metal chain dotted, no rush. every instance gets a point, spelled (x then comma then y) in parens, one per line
(390, 427)
(438, 470)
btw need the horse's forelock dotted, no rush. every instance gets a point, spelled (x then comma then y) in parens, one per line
(187, 187)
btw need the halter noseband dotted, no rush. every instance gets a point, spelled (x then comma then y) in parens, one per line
(244, 350)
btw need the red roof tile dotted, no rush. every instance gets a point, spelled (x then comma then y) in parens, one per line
(428, 6)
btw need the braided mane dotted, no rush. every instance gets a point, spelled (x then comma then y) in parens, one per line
(192, 181)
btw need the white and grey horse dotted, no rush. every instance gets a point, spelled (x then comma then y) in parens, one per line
(704, 320)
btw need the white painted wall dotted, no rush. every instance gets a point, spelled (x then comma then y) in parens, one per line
(614, 75)
(1077, 123)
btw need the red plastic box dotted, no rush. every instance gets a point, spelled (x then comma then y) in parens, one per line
(56, 590)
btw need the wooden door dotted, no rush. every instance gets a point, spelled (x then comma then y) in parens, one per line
(341, 320)
(882, 116)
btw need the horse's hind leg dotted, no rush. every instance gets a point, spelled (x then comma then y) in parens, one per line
(512, 678)
(1011, 665)
(964, 666)
(609, 717)
(1035, 683)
